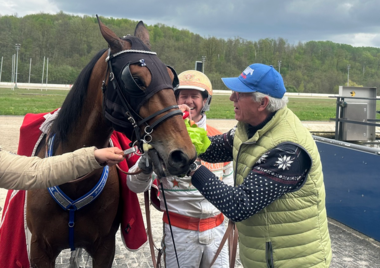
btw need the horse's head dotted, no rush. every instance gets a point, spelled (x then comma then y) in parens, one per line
(139, 99)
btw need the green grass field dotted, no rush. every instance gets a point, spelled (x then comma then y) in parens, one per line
(307, 109)
(22, 101)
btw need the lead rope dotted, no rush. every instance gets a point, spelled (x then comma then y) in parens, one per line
(156, 162)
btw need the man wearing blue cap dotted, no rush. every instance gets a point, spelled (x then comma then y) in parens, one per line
(278, 202)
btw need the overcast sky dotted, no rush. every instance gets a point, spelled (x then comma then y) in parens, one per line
(354, 22)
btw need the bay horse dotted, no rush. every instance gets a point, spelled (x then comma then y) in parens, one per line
(125, 88)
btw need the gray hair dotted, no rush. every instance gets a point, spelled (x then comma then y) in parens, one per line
(274, 104)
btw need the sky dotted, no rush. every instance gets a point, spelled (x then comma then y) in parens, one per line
(353, 22)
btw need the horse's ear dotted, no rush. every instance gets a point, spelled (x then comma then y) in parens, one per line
(114, 42)
(142, 33)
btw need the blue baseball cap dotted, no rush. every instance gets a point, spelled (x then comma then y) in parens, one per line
(258, 77)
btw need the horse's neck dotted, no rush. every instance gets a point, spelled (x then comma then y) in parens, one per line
(91, 129)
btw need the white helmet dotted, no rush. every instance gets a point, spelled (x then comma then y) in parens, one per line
(193, 79)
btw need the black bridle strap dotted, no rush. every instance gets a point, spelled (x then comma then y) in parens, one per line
(146, 119)
(163, 118)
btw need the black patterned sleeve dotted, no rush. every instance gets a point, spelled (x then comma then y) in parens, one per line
(279, 171)
(220, 149)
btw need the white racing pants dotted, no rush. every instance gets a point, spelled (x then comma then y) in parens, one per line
(194, 249)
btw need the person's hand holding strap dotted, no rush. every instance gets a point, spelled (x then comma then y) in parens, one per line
(145, 164)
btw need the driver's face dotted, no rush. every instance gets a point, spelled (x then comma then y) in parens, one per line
(192, 98)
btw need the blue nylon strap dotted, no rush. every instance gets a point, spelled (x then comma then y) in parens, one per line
(71, 228)
(70, 205)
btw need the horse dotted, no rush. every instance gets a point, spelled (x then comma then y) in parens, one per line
(125, 88)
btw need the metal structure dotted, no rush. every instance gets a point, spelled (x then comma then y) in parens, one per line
(350, 162)
(17, 46)
(203, 61)
(43, 70)
(1, 68)
(355, 118)
(199, 66)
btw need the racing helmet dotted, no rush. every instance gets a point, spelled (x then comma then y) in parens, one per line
(193, 79)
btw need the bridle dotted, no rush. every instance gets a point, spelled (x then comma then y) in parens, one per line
(142, 141)
(130, 113)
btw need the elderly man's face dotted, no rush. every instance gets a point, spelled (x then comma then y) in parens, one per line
(247, 110)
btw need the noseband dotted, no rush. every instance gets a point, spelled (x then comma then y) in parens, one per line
(129, 96)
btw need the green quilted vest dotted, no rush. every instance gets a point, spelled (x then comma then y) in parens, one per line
(291, 232)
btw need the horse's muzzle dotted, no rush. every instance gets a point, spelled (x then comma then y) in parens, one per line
(179, 163)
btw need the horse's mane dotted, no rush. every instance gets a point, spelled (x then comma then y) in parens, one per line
(72, 106)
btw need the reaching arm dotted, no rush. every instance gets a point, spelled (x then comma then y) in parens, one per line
(21, 172)
(220, 149)
(279, 171)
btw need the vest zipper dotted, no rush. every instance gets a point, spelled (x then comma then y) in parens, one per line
(269, 254)
(237, 160)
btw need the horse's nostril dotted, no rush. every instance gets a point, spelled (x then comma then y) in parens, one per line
(178, 162)
(177, 157)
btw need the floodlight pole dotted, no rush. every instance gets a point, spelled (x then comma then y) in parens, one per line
(47, 71)
(30, 69)
(279, 67)
(43, 70)
(1, 68)
(13, 69)
(348, 74)
(17, 46)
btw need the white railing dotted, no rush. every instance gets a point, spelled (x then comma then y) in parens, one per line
(35, 86)
(68, 87)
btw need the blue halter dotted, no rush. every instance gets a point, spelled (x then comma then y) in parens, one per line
(70, 205)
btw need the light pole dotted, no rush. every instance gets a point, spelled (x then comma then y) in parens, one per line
(203, 65)
(279, 67)
(348, 74)
(17, 46)
(1, 68)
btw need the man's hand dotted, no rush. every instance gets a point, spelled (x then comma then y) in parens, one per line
(109, 156)
(145, 164)
(194, 167)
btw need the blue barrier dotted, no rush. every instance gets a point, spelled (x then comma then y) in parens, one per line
(352, 181)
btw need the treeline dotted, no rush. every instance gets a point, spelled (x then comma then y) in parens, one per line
(71, 41)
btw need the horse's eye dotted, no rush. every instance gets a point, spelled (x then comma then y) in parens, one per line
(139, 83)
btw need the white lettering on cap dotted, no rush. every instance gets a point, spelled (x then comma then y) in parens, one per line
(248, 70)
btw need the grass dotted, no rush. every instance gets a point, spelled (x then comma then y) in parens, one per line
(307, 109)
(23, 101)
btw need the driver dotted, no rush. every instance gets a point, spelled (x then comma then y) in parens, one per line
(197, 225)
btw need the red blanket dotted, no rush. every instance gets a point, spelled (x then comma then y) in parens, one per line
(13, 252)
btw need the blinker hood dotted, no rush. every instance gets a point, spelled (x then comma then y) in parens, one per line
(127, 89)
